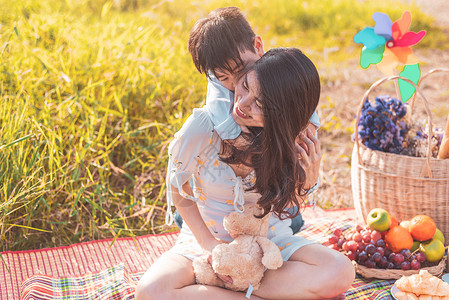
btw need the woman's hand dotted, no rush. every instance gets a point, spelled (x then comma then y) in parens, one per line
(309, 155)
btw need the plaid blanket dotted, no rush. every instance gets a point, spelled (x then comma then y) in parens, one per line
(112, 283)
(118, 281)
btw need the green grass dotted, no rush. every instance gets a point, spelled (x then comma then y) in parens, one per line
(91, 94)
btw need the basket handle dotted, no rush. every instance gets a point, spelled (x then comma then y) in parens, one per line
(436, 70)
(426, 170)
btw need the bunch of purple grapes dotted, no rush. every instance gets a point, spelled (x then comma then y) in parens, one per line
(382, 126)
(367, 247)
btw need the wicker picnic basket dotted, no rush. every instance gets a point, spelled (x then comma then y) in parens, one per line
(403, 185)
(436, 270)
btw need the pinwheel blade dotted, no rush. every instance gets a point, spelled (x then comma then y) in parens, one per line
(389, 63)
(412, 72)
(401, 26)
(410, 38)
(368, 38)
(404, 55)
(371, 56)
(383, 25)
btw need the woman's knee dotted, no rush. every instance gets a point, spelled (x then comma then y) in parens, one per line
(149, 291)
(339, 276)
(169, 273)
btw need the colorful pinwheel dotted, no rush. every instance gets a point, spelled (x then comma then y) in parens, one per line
(387, 45)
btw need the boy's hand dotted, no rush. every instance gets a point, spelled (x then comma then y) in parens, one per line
(309, 155)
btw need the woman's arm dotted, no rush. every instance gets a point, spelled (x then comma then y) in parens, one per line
(191, 215)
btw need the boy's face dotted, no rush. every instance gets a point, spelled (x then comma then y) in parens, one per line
(229, 79)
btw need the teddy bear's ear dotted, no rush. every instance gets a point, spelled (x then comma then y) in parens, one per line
(253, 209)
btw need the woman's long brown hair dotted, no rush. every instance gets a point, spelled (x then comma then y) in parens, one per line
(289, 94)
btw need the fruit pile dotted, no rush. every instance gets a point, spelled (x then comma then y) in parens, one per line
(384, 243)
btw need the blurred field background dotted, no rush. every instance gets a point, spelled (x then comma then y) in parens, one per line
(92, 91)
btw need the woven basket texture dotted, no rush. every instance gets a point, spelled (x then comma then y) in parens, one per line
(436, 270)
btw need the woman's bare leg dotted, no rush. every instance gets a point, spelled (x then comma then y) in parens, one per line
(312, 272)
(171, 277)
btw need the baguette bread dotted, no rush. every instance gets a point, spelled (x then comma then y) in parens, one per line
(443, 153)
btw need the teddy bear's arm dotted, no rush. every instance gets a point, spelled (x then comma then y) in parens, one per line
(204, 274)
(272, 258)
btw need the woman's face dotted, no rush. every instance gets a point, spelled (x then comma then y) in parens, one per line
(247, 109)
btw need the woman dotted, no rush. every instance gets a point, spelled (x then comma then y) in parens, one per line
(273, 103)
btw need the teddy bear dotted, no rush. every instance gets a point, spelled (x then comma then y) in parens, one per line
(245, 258)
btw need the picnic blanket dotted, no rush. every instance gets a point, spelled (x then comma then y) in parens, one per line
(110, 270)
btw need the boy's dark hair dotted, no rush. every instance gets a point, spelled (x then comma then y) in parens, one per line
(217, 39)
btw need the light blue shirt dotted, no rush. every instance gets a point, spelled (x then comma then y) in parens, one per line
(219, 104)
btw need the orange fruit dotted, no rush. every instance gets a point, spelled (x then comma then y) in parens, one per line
(398, 238)
(422, 227)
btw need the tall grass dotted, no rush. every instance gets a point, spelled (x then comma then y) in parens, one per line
(92, 91)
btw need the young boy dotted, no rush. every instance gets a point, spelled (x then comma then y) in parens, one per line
(222, 46)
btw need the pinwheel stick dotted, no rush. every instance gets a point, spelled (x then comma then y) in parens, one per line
(398, 91)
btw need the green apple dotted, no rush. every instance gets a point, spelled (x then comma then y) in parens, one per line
(433, 249)
(379, 219)
(439, 235)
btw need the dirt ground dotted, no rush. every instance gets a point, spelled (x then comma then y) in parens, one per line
(345, 90)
